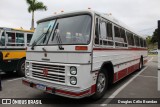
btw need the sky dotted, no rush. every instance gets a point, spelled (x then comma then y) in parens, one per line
(140, 15)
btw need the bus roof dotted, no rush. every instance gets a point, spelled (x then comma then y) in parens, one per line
(106, 16)
(17, 29)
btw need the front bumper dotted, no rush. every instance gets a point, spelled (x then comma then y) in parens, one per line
(60, 92)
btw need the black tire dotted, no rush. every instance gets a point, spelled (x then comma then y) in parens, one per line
(140, 64)
(21, 68)
(100, 93)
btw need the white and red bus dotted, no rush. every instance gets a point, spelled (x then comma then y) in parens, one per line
(79, 54)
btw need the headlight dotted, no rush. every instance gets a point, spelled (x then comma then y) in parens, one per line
(27, 64)
(27, 72)
(73, 70)
(73, 80)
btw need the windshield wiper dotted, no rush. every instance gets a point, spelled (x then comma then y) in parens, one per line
(43, 35)
(58, 38)
(59, 41)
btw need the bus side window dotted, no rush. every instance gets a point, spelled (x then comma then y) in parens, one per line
(144, 43)
(109, 31)
(123, 35)
(103, 33)
(120, 37)
(117, 33)
(19, 39)
(97, 32)
(109, 34)
(141, 42)
(136, 40)
(130, 38)
(29, 37)
(11, 39)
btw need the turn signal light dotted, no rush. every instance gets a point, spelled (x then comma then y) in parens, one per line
(81, 48)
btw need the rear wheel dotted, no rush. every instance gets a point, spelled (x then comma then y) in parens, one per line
(21, 68)
(140, 64)
(101, 85)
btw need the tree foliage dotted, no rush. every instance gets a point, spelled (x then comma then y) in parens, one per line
(155, 36)
(34, 5)
(148, 40)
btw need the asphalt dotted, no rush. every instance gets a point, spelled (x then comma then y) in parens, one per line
(137, 85)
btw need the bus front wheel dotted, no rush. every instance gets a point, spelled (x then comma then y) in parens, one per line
(21, 68)
(101, 85)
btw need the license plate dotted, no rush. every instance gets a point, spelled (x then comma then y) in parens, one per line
(41, 87)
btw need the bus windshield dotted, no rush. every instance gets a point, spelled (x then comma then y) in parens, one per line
(66, 31)
(40, 37)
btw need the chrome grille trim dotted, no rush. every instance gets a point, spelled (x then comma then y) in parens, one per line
(56, 73)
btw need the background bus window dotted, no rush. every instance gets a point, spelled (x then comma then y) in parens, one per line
(19, 39)
(11, 39)
(2, 39)
(29, 37)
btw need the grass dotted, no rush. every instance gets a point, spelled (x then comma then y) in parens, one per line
(152, 54)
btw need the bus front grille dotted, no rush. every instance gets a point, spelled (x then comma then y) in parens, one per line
(55, 73)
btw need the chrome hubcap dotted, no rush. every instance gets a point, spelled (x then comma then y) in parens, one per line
(101, 82)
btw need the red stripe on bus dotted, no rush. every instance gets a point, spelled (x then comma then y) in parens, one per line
(72, 93)
(33, 85)
(93, 88)
(135, 49)
(115, 77)
(130, 69)
(123, 73)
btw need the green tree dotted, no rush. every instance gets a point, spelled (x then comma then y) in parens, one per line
(34, 5)
(155, 36)
(148, 40)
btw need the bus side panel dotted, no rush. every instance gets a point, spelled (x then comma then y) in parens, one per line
(124, 61)
(11, 55)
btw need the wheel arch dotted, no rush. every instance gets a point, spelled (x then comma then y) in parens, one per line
(108, 66)
(24, 58)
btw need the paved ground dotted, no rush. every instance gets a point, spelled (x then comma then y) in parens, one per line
(140, 84)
